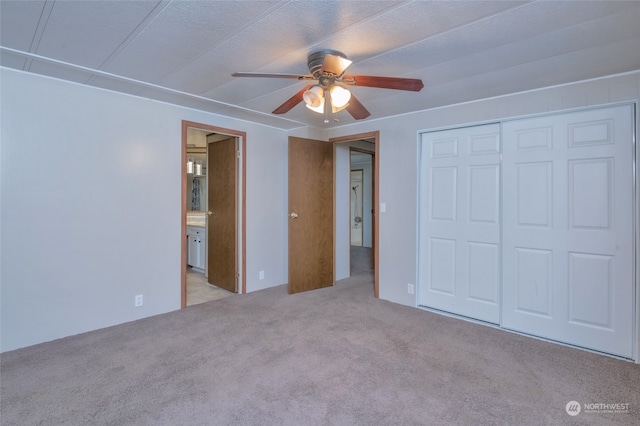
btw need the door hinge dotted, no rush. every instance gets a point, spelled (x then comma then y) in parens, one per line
(237, 154)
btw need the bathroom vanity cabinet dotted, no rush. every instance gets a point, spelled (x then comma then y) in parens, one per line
(196, 247)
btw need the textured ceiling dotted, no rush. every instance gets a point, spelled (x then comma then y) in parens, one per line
(184, 52)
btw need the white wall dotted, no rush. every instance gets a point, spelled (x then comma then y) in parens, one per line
(267, 207)
(91, 207)
(399, 164)
(76, 251)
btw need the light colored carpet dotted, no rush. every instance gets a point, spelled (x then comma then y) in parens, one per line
(335, 356)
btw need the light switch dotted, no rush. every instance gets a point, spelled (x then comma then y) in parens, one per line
(383, 207)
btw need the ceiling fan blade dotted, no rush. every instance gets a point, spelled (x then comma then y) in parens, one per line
(291, 102)
(334, 64)
(272, 75)
(412, 84)
(356, 109)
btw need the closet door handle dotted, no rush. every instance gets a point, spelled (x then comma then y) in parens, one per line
(294, 215)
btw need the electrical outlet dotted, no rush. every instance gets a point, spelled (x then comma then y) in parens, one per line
(410, 288)
(261, 275)
(138, 301)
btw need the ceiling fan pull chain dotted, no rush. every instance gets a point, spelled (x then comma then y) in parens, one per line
(327, 105)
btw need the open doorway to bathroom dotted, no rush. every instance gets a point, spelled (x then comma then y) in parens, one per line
(213, 213)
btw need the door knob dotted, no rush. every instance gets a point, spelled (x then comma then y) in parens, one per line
(209, 213)
(294, 215)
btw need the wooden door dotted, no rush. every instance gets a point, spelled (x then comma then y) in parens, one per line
(222, 214)
(310, 215)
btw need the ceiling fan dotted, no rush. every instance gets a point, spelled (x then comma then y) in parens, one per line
(327, 69)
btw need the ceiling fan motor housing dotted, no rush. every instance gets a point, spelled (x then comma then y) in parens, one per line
(316, 59)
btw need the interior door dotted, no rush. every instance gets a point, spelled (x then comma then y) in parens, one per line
(459, 266)
(222, 214)
(568, 228)
(311, 210)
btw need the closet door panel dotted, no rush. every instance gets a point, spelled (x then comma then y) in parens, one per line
(459, 242)
(568, 228)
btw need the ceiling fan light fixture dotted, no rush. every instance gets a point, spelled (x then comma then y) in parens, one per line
(340, 97)
(314, 97)
(318, 108)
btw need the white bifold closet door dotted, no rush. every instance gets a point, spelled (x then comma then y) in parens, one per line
(459, 266)
(568, 228)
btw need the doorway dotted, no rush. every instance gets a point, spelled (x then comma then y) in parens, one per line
(361, 194)
(365, 148)
(204, 171)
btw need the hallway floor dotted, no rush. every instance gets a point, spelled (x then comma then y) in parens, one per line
(200, 291)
